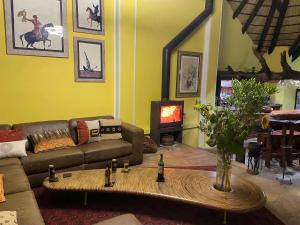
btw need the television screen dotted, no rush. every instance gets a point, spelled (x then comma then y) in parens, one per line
(170, 114)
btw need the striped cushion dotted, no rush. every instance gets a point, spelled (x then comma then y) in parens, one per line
(50, 140)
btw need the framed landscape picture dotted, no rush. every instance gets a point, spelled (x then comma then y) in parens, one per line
(89, 60)
(188, 74)
(88, 16)
(36, 27)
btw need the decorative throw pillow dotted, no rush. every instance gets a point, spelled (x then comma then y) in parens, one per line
(88, 131)
(8, 217)
(10, 135)
(13, 149)
(110, 129)
(2, 196)
(50, 140)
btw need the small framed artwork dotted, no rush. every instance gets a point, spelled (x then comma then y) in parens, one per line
(188, 74)
(88, 16)
(297, 99)
(89, 60)
(36, 27)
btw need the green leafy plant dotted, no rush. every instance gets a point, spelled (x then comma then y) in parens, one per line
(227, 128)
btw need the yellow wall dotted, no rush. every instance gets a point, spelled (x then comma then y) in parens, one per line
(158, 23)
(236, 51)
(235, 48)
(41, 88)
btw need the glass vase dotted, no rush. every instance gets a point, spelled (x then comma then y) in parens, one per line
(223, 172)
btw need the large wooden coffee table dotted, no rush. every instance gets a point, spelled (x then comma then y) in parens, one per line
(188, 186)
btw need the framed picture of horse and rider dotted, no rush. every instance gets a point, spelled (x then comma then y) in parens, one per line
(36, 27)
(88, 16)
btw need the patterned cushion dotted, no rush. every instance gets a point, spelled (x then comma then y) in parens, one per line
(50, 140)
(8, 218)
(2, 197)
(10, 135)
(110, 129)
(88, 131)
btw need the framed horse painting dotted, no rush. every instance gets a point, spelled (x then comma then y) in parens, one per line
(36, 28)
(89, 60)
(88, 16)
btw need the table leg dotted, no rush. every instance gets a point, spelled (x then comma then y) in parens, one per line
(85, 198)
(225, 218)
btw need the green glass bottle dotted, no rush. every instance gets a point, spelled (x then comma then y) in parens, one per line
(107, 176)
(161, 167)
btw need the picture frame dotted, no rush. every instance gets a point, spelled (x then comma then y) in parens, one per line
(88, 16)
(297, 99)
(89, 60)
(189, 65)
(36, 28)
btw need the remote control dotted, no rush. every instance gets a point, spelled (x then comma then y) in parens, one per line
(65, 175)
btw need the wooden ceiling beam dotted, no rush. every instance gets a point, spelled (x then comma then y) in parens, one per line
(240, 8)
(296, 53)
(252, 16)
(267, 25)
(294, 46)
(278, 4)
(280, 20)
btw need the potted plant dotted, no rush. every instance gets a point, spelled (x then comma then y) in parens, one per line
(227, 128)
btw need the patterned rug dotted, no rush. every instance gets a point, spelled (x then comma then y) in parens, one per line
(66, 208)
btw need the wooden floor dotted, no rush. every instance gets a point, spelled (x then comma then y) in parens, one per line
(283, 200)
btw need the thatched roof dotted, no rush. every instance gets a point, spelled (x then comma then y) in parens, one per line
(270, 23)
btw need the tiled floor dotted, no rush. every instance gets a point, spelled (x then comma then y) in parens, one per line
(283, 200)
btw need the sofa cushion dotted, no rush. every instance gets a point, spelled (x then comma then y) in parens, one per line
(13, 149)
(10, 135)
(40, 127)
(105, 150)
(9, 161)
(25, 205)
(2, 195)
(62, 158)
(73, 124)
(15, 180)
(111, 129)
(49, 140)
(8, 217)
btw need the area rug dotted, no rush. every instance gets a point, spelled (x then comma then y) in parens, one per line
(66, 208)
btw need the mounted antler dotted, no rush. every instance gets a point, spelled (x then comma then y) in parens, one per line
(265, 74)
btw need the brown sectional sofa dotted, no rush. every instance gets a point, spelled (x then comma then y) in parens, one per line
(22, 174)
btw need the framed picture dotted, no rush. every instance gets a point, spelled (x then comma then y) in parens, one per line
(36, 27)
(188, 74)
(89, 60)
(88, 16)
(297, 99)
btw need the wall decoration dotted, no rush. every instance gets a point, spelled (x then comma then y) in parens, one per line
(89, 60)
(88, 16)
(36, 27)
(188, 74)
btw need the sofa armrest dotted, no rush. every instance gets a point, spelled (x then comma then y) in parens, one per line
(135, 136)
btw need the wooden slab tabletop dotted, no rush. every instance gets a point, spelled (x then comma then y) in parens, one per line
(189, 186)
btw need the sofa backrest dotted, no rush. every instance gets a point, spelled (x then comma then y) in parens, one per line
(73, 124)
(39, 127)
(5, 127)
